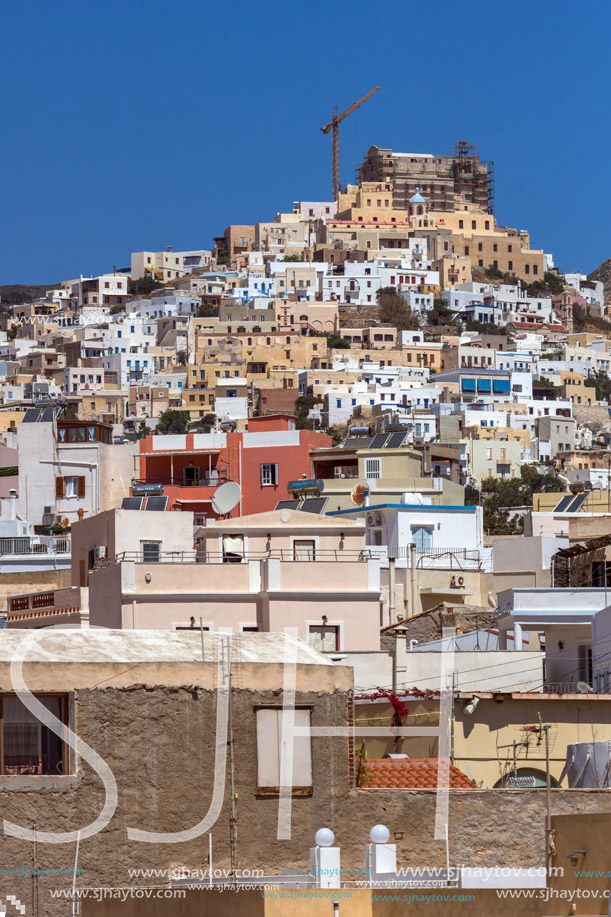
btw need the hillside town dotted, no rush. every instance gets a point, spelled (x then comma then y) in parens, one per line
(369, 437)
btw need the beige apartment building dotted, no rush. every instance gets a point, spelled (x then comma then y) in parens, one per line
(134, 570)
(496, 458)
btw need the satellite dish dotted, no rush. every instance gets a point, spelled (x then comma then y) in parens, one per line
(226, 498)
(359, 493)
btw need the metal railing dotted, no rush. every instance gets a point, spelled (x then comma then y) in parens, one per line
(206, 480)
(40, 545)
(301, 555)
(568, 687)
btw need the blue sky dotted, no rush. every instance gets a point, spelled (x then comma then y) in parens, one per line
(136, 125)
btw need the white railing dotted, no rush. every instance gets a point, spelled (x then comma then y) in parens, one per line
(35, 545)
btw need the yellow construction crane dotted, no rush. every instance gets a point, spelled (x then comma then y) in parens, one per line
(333, 126)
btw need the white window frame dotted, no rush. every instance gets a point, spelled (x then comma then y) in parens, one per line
(70, 483)
(149, 541)
(373, 464)
(274, 474)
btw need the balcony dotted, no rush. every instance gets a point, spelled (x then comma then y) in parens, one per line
(35, 545)
(207, 479)
(56, 606)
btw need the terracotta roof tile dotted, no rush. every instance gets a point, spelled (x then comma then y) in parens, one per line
(412, 773)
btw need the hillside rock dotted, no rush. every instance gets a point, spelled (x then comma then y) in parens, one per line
(603, 273)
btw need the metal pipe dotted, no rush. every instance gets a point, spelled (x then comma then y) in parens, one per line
(413, 579)
(391, 590)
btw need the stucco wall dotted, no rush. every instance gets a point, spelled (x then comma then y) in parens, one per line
(159, 743)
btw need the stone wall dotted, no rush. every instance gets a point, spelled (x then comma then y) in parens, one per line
(21, 583)
(160, 746)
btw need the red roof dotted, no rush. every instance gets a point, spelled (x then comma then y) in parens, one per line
(411, 773)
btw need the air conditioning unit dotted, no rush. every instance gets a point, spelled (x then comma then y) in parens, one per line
(47, 511)
(100, 551)
(374, 519)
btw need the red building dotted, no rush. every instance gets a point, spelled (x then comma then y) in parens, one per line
(187, 469)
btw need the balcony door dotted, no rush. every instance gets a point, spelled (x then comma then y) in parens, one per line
(191, 475)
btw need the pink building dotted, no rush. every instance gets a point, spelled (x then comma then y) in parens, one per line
(265, 572)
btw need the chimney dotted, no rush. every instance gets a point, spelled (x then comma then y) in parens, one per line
(13, 503)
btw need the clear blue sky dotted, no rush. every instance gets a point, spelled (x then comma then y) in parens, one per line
(135, 125)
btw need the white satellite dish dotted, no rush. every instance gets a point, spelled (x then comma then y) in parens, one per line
(226, 498)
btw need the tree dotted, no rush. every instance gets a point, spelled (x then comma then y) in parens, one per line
(208, 421)
(440, 314)
(119, 307)
(303, 404)
(173, 421)
(182, 356)
(396, 311)
(335, 342)
(207, 310)
(143, 285)
(291, 258)
(602, 383)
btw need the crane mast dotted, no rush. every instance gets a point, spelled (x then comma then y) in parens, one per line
(333, 127)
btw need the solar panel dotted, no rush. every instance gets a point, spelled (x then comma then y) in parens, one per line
(131, 502)
(157, 504)
(395, 441)
(31, 415)
(48, 415)
(378, 441)
(357, 443)
(564, 503)
(287, 504)
(314, 505)
(577, 503)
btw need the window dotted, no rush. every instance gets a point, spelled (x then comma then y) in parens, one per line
(151, 552)
(495, 247)
(527, 268)
(422, 536)
(373, 468)
(269, 475)
(269, 752)
(71, 486)
(535, 269)
(304, 549)
(233, 549)
(473, 224)
(461, 224)
(324, 637)
(27, 746)
(510, 265)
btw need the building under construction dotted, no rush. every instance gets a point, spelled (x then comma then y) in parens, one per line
(456, 182)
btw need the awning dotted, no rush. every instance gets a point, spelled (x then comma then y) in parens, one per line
(468, 385)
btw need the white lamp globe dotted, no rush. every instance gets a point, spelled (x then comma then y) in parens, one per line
(324, 837)
(379, 834)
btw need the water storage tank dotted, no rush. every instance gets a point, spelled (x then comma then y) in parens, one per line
(413, 498)
(588, 765)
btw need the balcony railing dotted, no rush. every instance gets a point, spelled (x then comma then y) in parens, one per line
(206, 480)
(40, 545)
(302, 555)
(569, 687)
